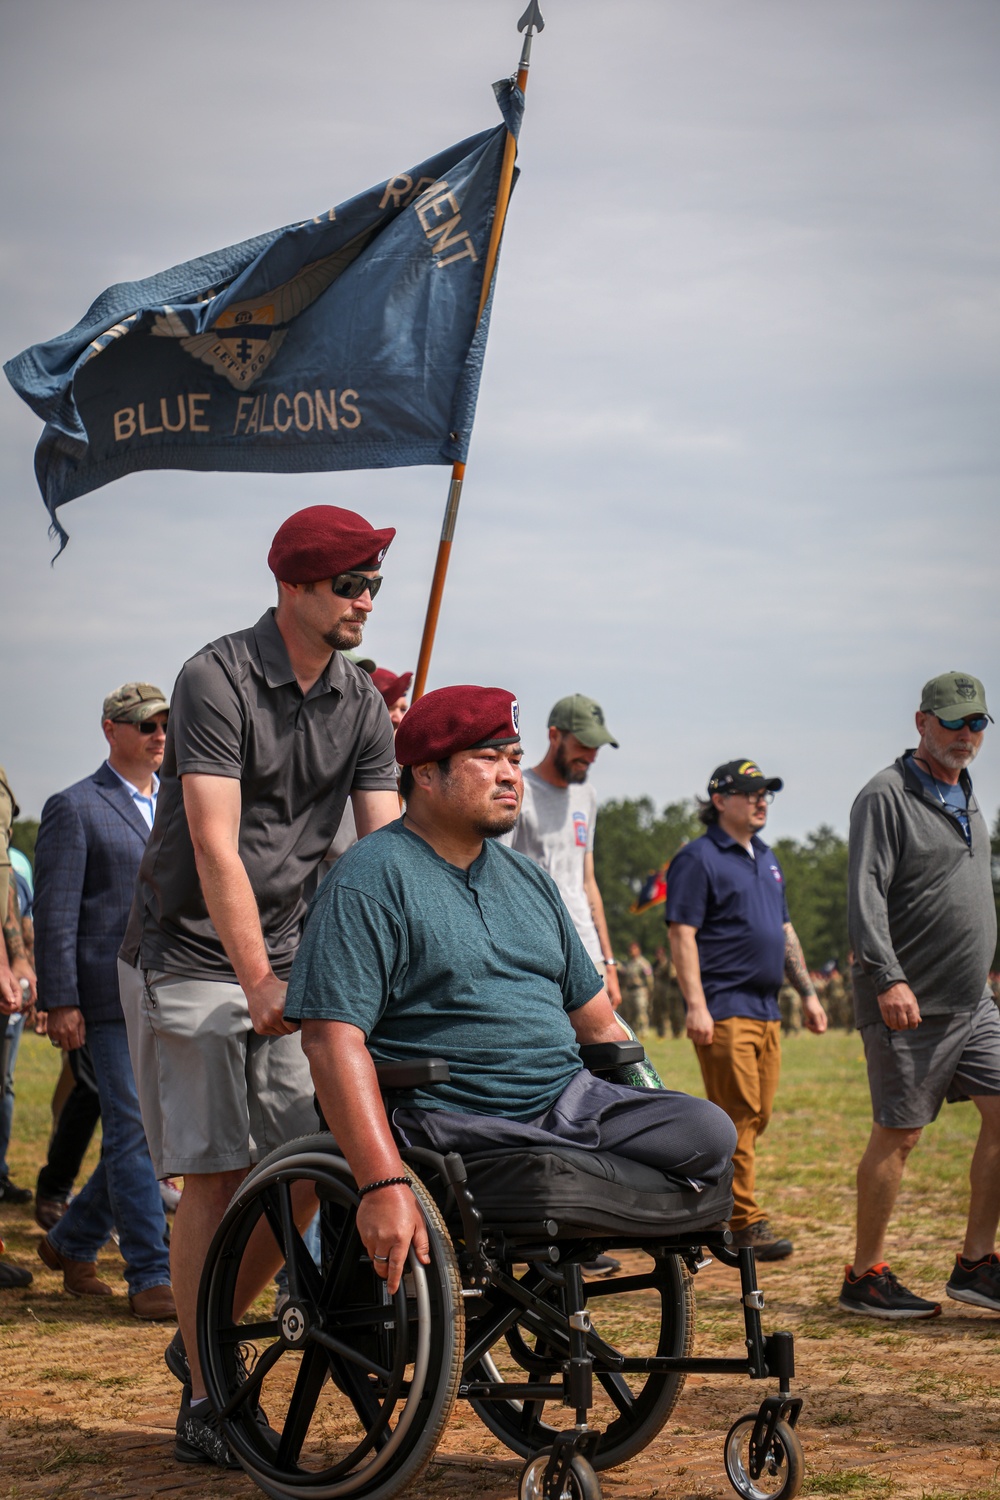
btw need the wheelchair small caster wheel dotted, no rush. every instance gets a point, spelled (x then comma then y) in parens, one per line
(784, 1463)
(581, 1482)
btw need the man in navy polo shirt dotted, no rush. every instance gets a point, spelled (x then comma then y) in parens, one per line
(733, 946)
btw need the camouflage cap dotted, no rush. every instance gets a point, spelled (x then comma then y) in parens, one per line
(584, 718)
(133, 702)
(954, 695)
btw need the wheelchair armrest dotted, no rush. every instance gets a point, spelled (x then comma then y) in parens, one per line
(411, 1075)
(601, 1057)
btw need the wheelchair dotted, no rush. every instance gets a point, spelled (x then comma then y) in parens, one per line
(358, 1386)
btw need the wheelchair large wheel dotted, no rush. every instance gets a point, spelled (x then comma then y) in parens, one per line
(654, 1307)
(357, 1387)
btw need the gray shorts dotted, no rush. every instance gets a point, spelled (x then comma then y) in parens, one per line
(215, 1096)
(911, 1073)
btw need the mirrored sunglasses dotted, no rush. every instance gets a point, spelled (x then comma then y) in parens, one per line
(976, 722)
(353, 585)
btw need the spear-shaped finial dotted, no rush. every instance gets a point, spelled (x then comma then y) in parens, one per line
(529, 23)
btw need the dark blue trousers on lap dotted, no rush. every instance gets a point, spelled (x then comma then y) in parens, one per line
(687, 1139)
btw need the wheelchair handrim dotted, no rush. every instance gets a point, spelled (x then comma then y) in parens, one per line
(316, 1166)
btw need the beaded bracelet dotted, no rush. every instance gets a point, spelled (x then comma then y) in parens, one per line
(370, 1187)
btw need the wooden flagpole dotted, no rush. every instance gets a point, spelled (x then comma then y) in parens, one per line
(530, 22)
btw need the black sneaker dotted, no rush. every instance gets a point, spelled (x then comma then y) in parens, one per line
(762, 1240)
(199, 1438)
(11, 1193)
(977, 1282)
(878, 1294)
(176, 1360)
(13, 1276)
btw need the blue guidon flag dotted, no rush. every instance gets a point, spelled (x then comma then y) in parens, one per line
(348, 341)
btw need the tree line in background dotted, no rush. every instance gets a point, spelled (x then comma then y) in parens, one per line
(633, 840)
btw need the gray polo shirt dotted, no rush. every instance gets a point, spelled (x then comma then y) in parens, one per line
(238, 711)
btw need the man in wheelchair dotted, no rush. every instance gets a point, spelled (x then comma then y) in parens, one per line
(457, 1218)
(431, 938)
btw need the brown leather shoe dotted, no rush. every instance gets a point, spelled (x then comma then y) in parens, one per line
(154, 1305)
(80, 1277)
(48, 1211)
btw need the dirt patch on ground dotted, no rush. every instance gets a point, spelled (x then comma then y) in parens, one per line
(88, 1407)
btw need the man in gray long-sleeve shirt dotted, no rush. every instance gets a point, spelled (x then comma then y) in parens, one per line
(923, 928)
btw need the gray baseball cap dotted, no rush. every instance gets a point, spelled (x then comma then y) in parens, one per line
(954, 695)
(133, 702)
(584, 718)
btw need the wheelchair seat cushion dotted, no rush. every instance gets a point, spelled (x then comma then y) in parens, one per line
(589, 1192)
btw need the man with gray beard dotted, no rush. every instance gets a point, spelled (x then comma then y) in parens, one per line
(923, 928)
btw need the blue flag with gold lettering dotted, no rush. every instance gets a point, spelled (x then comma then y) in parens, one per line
(348, 341)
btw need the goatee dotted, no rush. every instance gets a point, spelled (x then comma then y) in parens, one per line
(501, 822)
(345, 636)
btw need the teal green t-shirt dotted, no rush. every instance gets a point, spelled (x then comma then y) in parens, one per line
(479, 966)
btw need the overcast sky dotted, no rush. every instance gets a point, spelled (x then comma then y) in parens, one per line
(734, 471)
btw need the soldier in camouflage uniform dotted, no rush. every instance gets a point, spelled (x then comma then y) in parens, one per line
(668, 1002)
(636, 982)
(790, 1005)
(838, 1005)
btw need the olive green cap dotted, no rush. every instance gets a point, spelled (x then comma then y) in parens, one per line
(954, 695)
(361, 659)
(584, 718)
(133, 702)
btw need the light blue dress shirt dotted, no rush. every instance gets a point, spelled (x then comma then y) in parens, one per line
(146, 805)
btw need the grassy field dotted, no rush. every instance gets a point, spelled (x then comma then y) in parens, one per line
(914, 1411)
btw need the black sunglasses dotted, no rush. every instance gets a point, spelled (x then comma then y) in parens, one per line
(149, 726)
(975, 722)
(353, 585)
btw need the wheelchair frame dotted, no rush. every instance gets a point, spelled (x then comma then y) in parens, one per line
(762, 1452)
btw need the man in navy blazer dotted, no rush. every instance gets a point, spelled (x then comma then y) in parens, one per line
(90, 841)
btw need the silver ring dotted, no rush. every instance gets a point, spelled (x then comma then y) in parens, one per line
(380, 1257)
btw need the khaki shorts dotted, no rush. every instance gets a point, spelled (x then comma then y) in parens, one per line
(215, 1096)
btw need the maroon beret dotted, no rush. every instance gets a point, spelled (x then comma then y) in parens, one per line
(390, 686)
(456, 718)
(322, 541)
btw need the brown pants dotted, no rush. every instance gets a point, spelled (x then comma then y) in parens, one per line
(740, 1069)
